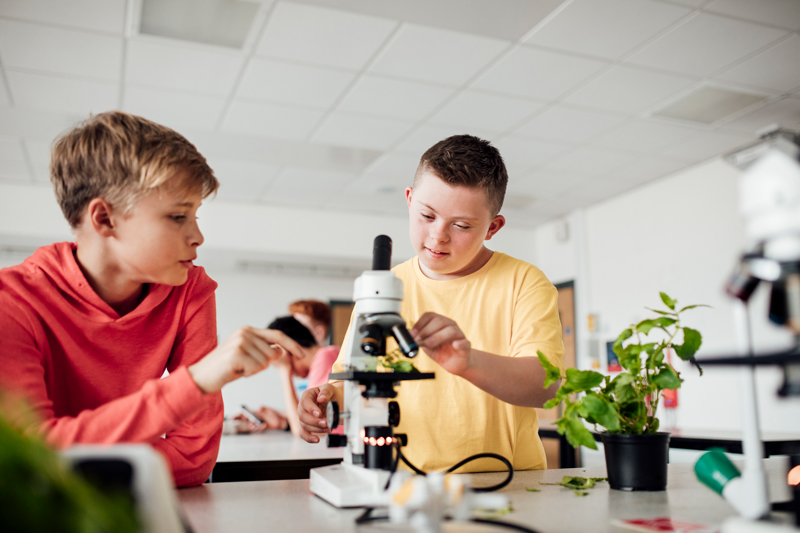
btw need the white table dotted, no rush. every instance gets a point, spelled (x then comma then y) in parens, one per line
(289, 506)
(269, 456)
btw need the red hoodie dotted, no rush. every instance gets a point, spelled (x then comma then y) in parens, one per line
(94, 377)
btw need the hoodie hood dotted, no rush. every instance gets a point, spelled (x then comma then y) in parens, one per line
(57, 263)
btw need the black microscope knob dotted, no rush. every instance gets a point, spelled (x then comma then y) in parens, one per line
(394, 414)
(332, 415)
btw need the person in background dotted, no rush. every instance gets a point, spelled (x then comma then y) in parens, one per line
(316, 316)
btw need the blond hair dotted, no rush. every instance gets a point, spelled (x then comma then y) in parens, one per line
(121, 157)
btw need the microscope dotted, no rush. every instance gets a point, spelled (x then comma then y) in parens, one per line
(770, 204)
(369, 414)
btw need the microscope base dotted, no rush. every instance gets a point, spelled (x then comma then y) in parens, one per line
(346, 485)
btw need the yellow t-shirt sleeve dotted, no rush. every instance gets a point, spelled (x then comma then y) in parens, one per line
(536, 324)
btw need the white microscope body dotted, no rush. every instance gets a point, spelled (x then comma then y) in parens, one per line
(369, 415)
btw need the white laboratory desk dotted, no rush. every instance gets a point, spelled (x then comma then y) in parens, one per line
(289, 506)
(270, 455)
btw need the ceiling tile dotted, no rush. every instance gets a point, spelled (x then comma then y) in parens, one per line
(646, 136)
(521, 154)
(606, 28)
(708, 145)
(647, 169)
(269, 120)
(61, 94)
(398, 167)
(294, 84)
(342, 129)
(358, 198)
(97, 15)
(628, 90)
(472, 109)
(771, 68)
(378, 96)
(175, 110)
(61, 51)
(785, 112)
(545, 183)
(39, 152)
(435, 55)
(705, 44)
(305, 187)
(590, 161)
(782, 13)
(242, 180)
(182, 67)
(379, 184)
(428, 135)
(12, 160)
(568, 124)
(323, 36)
(538, 73)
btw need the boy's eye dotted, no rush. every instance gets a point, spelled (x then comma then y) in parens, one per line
(178, 218)
(427, 217)
(459, 226)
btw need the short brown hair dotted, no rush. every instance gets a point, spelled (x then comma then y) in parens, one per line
(469, 161)
(121, 157)
(317, 311)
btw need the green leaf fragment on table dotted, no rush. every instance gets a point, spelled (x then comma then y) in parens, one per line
(532, 490)
(492, 513)
(401, 366)
(577, 482)
(580, 493)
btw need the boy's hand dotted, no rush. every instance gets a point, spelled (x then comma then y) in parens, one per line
(311, 411)
(246, 352)
(444, 342)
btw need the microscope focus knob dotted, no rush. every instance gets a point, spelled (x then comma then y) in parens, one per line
(332, 415)
(337, 441)
(394, 414)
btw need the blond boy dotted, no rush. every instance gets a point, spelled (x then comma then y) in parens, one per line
(480, 317)
(90, 326)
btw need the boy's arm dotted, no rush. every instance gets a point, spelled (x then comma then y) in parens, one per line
(518, 379)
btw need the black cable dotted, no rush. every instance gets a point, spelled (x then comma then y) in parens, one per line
(366, 516)
(491, 488)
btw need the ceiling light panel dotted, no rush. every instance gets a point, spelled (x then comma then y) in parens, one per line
(77, 97)
(771, 69)
(216, 22)
(270, 120)
(709, 104)
(487, 112)
(782, 13)
(538, 74)
(344, 129)
(291, 83)
(705, 44)
(176, 110)
(323, 36)
(177, 66)
(785, 113)
(96, 15)
(435, 55)
(378, 96)
(569, 124)
(56, 50)
(628, 90)
(606, 28)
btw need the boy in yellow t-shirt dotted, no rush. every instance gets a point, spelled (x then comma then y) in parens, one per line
(480, 317)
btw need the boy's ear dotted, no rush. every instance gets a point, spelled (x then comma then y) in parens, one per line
(99, 217)
(498, 222)
(409, 190)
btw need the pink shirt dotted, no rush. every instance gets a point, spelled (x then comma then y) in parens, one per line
(321, 366)
(94, 377)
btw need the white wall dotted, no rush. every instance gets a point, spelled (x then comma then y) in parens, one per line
(681, 235)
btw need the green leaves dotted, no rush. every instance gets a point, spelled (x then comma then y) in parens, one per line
(552, 372)
(581, 380)
(599, 410)
(669, 302)
(667, 378)
(691, 343)
(576, 433)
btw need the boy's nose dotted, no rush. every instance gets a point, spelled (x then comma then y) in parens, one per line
(438, 233)
(196, 236)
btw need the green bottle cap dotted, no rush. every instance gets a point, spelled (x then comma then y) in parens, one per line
(715, 470)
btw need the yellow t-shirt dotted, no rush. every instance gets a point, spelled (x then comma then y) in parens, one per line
(506, 308)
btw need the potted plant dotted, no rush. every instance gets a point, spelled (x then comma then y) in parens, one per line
(625, 405)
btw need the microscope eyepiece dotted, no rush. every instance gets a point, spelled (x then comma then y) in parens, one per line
(404, 339)
(382, 253)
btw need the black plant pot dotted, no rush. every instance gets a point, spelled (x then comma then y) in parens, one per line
(637, 462)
